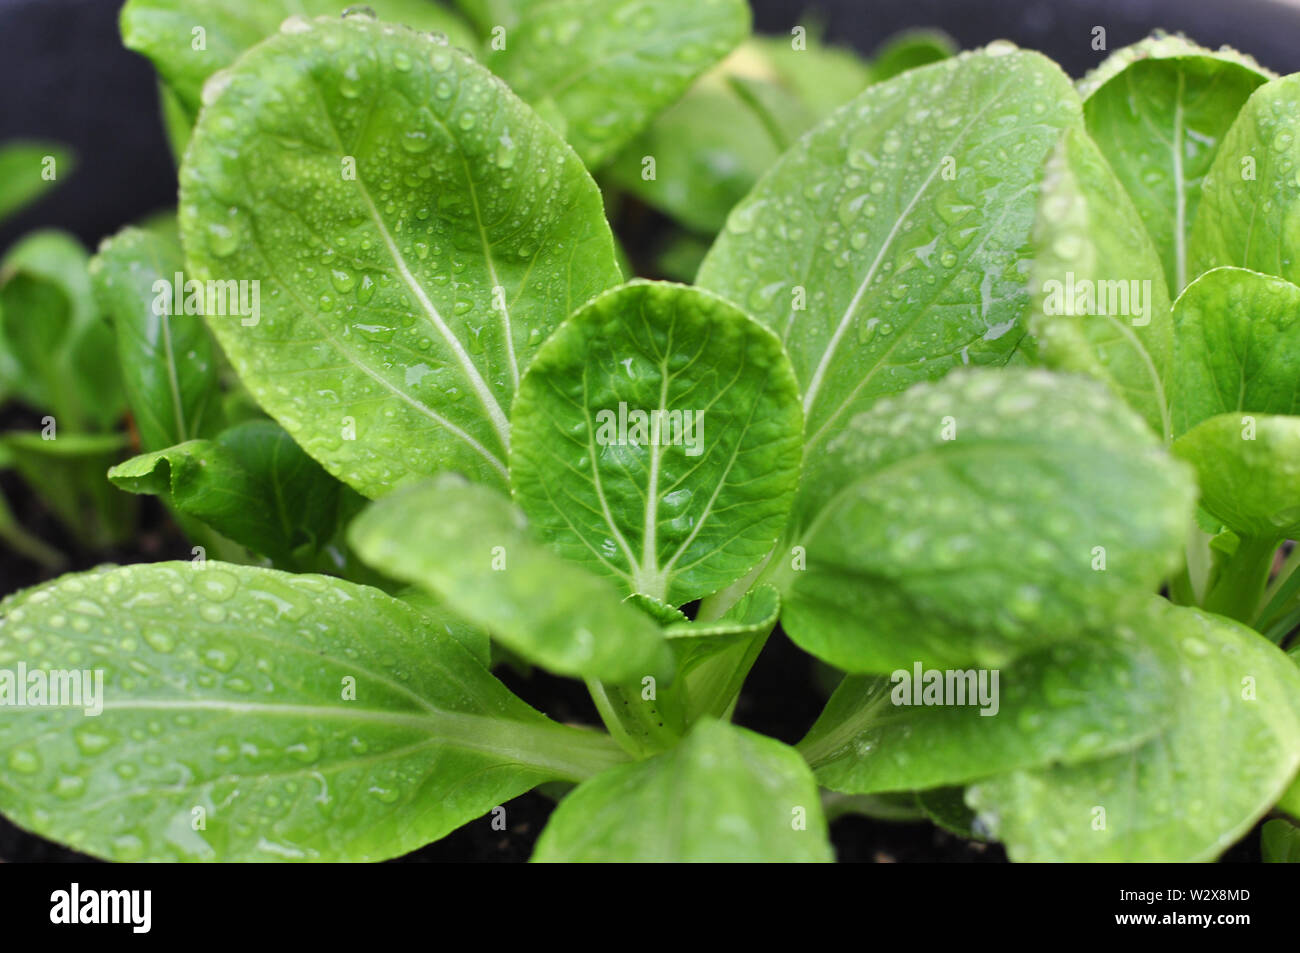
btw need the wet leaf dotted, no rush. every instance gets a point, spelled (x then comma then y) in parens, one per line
(249, 714)
(402, 296)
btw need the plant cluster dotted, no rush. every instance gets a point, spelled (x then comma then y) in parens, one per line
(982, 384)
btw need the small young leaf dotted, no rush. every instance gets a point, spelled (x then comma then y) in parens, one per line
(824, 77)
(169, 367)
(1159, 121)
(756, 611)
(1249, 198)
(1102, 307)
(908, 50)
(1280, 842)
(607, 67)
(708, 149)
(1159, 45)
(724, 794)
(657, 440)
(883, 247)
(946, 807)
(979, 517)
(470, 547)
(1290, 800)
(416, 229)
(189, 40)
(1236, 347)
(67, 473)
(249, 714)
(1229, 750)
(1065, 703)
(22, 172)
(661, 612)
(783, 115)
(1248, 468)
(53, 331)
(714, 657)
(252, 484)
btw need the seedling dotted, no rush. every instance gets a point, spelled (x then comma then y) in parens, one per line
(984, 394)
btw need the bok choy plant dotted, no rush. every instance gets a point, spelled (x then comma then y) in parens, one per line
(984, 393)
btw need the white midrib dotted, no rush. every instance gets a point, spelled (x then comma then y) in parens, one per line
(722, 479)
(820, 373)
(172, 382)
(650, 579)
(599, 487)
(1157, 385)
(492, 276)
(814, 385)
(511, 740)
(388, 385)
(843, 734)
(499, 422)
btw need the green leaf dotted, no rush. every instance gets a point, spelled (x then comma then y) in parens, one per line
(67, 473)
(167, 32)
(308, 718)
(661, 612)
(908, 50)
(1249, 214)
(404, 303)
(1159, 45)
(947, 808)
(169, 368)
(54, 333)
(1280, 842)
(1064, 703)
(1290, 800)
(470, 547)
(486, 14)
(1159, 120)
(711, 146)
(23, 171)
(28, 545)
(713, 657)
(608, 67)
(1102, 307)
(1248, 468)
(251, 484)
(979, 517)
(708, 148)
(756, 611)
(11, 373)
(477, 642)
(1236, 347)
(824, 77)
(649, 501)
(783, 115)
(724, 794)
(178, 121)
(884, 807)
(884, 247)
(1227, 753)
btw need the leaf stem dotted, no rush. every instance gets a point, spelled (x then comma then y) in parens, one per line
(1282, 592)
(1238, 590)
(876, 692)
(640, 728)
